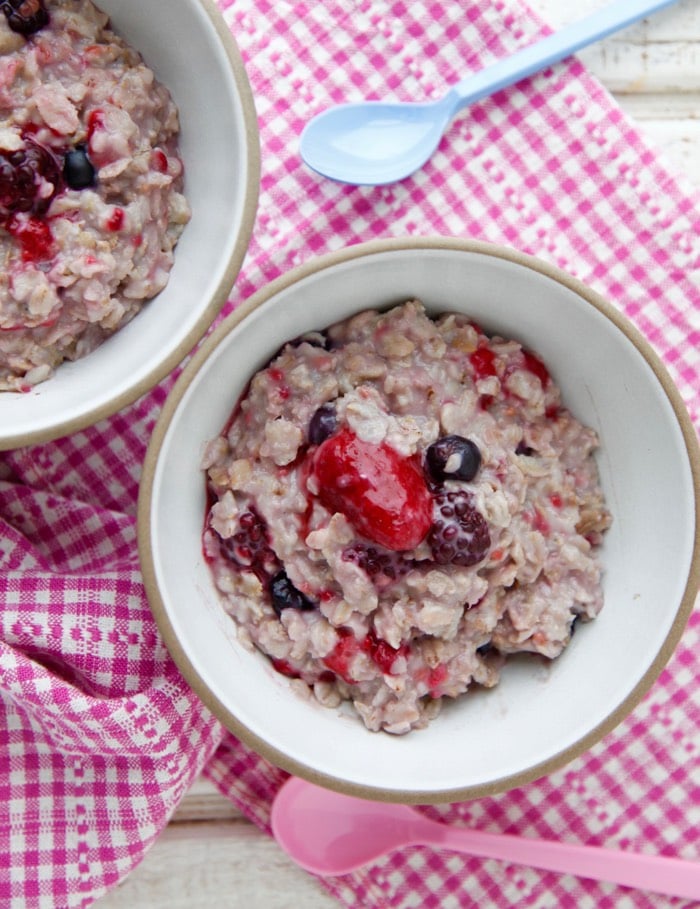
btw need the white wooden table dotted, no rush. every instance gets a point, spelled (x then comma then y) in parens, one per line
(209, 857)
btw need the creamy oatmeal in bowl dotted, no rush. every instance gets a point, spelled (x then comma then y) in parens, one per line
(347, 619)
(398, 504)
(108, 206)
(91, 180)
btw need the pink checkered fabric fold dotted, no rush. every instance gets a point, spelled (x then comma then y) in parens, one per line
(99, 735)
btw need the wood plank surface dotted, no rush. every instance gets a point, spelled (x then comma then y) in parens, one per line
(210, 856)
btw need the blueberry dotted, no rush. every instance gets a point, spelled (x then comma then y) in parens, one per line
(322, 424)
(78, 171)
(453, 458)
(285, 595)
(486, 649)
(524, 449)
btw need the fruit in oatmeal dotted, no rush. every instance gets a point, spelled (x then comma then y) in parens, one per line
(285, 595)
(91, 203)
(25, 16)
(453, 458)
(78, 171)
(29, 179)
(397, 505)
(381, 493)
(459, 535)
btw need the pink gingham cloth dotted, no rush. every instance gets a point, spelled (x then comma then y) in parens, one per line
(99, 735)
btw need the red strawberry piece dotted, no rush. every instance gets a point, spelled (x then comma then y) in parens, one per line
(382, 494)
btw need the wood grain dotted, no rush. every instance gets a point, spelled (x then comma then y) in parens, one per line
(209, 856)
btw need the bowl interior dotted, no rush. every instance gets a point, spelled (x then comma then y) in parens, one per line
(541, 714)
(219, 145)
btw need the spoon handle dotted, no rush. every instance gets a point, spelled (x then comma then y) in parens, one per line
(661, 874)
(536, 57)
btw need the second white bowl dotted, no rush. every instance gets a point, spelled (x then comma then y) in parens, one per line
(539, 716)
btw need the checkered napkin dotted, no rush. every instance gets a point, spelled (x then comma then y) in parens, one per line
(99, 735)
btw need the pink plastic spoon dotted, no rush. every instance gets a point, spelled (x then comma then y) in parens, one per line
(330, 834)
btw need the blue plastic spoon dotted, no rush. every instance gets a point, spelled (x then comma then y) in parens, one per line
(373, 142)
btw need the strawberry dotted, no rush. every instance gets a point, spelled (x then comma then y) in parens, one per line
(382, 494)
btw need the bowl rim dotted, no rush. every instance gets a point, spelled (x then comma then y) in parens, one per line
(220, 296)
(157, 604)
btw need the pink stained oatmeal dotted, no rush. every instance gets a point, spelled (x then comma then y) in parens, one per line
(91, 202)
(398, 504)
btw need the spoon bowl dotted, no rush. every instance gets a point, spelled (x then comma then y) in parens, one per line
(374, 143)
(329, 833)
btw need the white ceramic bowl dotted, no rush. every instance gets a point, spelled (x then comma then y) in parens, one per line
(537, 718)
(192, 52)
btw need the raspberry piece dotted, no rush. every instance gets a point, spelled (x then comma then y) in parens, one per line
(34, 237)
(338, 660)
(250, 546)
(115, 222)
(483, 361)
(381, 651)
(382, 567)
(534, 365)
(382, 494)
(460, 534)
(20, 179)
(285, 668)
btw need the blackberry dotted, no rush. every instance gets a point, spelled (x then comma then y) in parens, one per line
(459, 534)
(250, 546)
(453, 458)
(25, 16)
(285, 595)
(381, 566)
(19, 179)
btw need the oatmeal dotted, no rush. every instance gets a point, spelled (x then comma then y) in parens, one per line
(398, 504)
(91, 200)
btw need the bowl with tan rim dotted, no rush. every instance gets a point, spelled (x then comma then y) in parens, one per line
(247, 653)
(111, 277)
